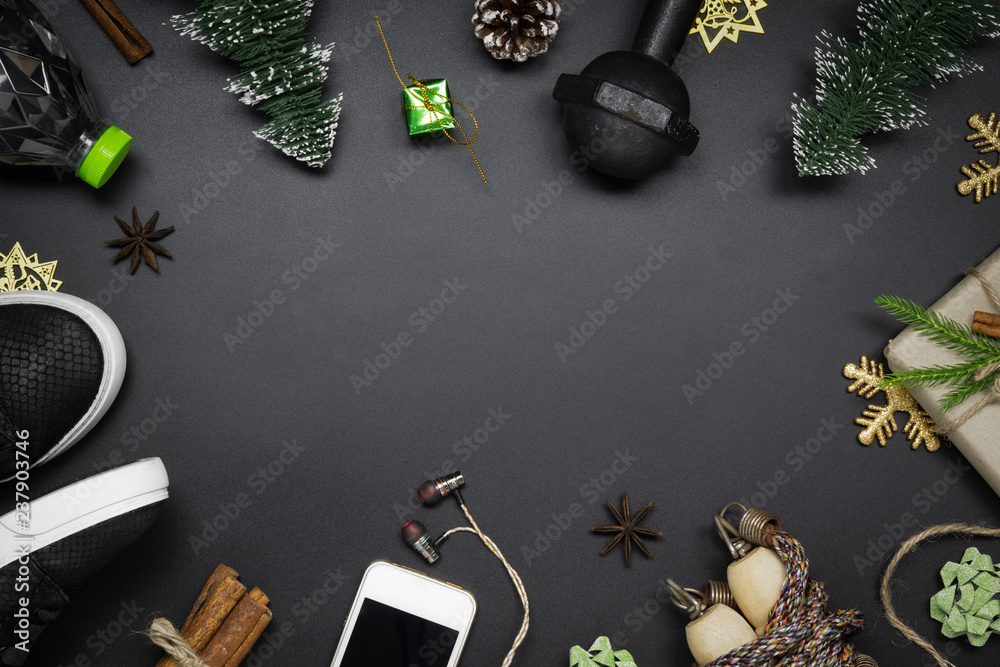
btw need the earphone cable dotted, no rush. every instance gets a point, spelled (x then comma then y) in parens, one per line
(515, 577)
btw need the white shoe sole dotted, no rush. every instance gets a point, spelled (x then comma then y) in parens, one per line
(112, 349)
(81, 505)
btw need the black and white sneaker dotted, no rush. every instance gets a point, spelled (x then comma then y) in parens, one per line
(62, 361)
(63, 539)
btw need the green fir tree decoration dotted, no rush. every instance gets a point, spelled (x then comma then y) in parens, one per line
(967, 378)
(280, 70)
(866, 85)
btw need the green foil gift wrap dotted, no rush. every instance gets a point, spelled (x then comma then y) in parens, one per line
(422, 120)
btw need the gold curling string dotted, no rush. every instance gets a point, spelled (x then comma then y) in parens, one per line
(425, 93)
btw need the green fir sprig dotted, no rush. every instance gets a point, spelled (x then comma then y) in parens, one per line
(865, 86)
(981, 351)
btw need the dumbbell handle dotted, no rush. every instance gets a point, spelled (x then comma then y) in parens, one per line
(663, 27)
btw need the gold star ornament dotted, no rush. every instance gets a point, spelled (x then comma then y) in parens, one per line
(627, 530)
(19, 272)
(726, 19)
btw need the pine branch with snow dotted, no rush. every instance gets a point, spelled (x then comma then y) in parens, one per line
(866, 85)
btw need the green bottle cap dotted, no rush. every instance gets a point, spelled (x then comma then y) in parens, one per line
(103, 159)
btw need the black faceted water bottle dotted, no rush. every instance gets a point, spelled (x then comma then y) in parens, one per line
(47, 115)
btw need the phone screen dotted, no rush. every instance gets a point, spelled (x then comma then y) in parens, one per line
(384, 636)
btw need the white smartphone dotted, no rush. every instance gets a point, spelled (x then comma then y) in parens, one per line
(403, 618)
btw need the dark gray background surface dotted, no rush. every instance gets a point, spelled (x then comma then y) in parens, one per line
(337, 506)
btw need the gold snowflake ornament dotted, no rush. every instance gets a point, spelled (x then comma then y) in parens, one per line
(717, 21)
(19, 272)
(880, 420)
(982, 176)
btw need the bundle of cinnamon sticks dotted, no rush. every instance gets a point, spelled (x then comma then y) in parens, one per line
(987, 323)
(225, 622)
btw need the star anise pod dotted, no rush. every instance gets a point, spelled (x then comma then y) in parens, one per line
(140, 241)
(628, 530)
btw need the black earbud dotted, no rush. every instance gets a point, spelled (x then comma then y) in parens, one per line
(434, 491)
(628, 110)
(431, 493)
(415, 534)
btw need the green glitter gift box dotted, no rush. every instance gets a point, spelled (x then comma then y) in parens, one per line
(421, 120)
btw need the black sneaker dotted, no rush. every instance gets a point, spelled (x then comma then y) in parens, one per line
(62, 540)
(62, 361)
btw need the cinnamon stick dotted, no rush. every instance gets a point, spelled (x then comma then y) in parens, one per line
(218, 574)
(240, 627)
(249, 642)
(206, 619)
(986, 323)
(125, 36)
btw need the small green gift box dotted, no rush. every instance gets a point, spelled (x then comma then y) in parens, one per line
(423, 120)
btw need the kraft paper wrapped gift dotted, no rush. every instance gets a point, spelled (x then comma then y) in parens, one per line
(979, 438)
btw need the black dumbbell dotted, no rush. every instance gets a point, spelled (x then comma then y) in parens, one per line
(631, 100)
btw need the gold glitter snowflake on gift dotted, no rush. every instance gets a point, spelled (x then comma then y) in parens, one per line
(20, 272)
(717, 20)
(880, 420)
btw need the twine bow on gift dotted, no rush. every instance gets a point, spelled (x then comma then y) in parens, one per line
(437, 110)
(983, 372)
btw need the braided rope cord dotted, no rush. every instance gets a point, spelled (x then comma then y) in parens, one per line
(800, 631)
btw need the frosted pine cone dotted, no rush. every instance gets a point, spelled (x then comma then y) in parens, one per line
(516, 29)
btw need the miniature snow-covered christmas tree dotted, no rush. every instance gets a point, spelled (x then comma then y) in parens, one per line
(280, 70)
